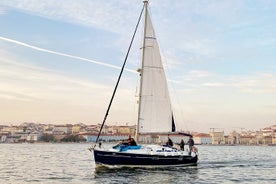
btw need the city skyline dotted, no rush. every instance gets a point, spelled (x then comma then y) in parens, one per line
(59, 61)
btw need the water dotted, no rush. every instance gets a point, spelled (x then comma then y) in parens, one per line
(73, 163)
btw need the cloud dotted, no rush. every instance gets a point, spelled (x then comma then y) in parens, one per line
(187, 35)
(258, 83)
(35, 93)
(111, 16)
(22, 80)
(214, 84)
(2, 10)
(201, 81)
(199, 74)
(196, 33)
(107, 15)
(195, 75)
(196, 37)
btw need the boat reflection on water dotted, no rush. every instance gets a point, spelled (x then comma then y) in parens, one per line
(187, 174)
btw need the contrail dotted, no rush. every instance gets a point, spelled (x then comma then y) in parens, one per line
(62, 54)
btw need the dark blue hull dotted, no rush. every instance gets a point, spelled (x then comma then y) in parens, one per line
(130, 159)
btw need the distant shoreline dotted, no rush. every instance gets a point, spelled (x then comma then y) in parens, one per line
(91, 143)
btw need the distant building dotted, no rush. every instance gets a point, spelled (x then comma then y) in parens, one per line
(267, 140)
(67, 129)
(31, 132)
(105, 137)
(127, 129)
(76, 128)
(234, 138)
(120, 129)
(92, 129)
(23, 136)
(3, 136)
(202, 138)
(154, 138)
(162, 138)
(13, 139)
(13, 129)
(267, 131)
(217, 136)
(33, 137)
(274, 139)
(248, 140)
(58, 137)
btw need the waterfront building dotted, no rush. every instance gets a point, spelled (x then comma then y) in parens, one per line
(92, 129)
(3, 136)
(248, 140)
(217, 136)
(33, 137)
(2, 127)
(31, 132)
(76, 128)
(162, 138)
(13, 139)
(113, 130)
(274, 138)
(259, 137)
(234, 138)
(154, 138)
(105, 137)
(22, 136)
(58, 137)
(13, 129)
(127, 129)
(119, 129)
(202, 138)
(67, 129)
(226, 139)
(267, 140)
(48, 128)
(143, 138)
(267, 131)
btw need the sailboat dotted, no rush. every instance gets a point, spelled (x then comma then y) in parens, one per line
(155, 113)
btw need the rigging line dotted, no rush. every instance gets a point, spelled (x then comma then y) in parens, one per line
(119, 78)
(176, 101)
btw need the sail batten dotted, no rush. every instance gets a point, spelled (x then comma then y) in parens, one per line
(155, 112)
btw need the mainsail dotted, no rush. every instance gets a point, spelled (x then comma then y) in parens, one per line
(155, 112)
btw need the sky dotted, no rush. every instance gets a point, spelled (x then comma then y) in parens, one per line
(59, 61)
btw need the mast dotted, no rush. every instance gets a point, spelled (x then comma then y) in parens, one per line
(141, 71)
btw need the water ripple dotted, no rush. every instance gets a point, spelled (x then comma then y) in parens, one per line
(72, 163)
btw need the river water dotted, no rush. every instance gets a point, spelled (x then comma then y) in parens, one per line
(73, 163)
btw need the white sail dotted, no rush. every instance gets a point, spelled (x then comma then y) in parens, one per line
(155, 113)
